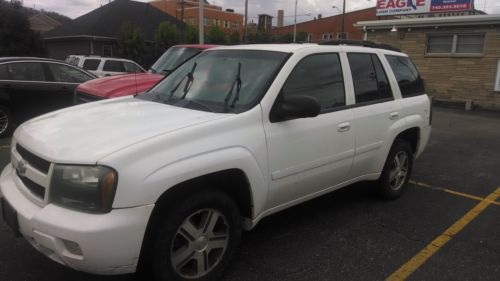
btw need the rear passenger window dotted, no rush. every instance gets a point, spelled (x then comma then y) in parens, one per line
(4, 75)
(369, 78)
(26, 71)
(113, 66)
(91, 64)
(132, 68)
(318, 76)
(407, 75)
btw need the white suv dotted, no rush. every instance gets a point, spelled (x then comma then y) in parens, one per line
(167, 180)
(101, 66)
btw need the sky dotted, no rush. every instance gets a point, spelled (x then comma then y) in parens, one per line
(307, 9)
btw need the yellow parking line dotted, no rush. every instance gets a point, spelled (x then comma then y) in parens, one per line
(414, 263)
(4, 146)
(453, 192)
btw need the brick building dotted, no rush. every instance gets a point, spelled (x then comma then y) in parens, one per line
(188, 11)
(458, 57)
(329, 28)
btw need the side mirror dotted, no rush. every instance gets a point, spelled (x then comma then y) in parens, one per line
(295, 107)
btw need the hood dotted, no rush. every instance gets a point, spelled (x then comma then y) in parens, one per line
(120, 85)
(84, 134)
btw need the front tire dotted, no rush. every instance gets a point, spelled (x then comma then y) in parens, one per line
(397, 170)
(197, 238)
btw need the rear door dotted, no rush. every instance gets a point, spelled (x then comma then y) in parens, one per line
(375, 111)
(65, 78)
(30, 90)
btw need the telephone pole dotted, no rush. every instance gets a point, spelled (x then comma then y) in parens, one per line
(245, 30)
(202, 22)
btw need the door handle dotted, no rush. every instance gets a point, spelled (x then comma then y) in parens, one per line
(344, 127)
(394, 115)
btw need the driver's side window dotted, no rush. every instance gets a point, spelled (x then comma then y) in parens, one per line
(319, 76)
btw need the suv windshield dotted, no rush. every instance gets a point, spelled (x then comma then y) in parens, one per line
(220, 81)
(172, 58)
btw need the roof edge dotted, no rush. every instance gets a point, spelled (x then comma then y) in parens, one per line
(435, 21)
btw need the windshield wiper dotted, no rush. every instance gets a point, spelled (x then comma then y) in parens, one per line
(237, 83)
(189, 81)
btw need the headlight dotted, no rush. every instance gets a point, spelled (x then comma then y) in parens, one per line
(87, 188)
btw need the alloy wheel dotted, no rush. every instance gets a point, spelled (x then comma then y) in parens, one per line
(199, 243)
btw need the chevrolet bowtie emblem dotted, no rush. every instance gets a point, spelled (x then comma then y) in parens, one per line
(21, 167)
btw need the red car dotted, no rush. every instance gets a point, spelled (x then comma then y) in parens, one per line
(129, 84)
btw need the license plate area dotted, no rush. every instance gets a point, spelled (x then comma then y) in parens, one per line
(9, 215)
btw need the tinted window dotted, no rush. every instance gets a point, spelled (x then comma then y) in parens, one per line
(132, 67)
(26, 71)
(67, 74)
(113, 66)
(318, 76)
(407, 75)
(4, 75)
(90, 64)
(370, 81)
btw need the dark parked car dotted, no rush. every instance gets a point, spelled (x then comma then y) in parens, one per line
(33, 86)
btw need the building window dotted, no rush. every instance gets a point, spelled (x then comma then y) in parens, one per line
(328, 36)
(455, 44)
(344, 35)
(236, 25)
(217, 22)
(309, 37)
(107, 51)
(226, 24)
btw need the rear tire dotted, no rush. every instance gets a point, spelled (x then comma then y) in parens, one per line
(5, 121)
(397, 170)
(197, 238)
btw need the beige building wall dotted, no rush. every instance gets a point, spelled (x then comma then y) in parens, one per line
(451, 77)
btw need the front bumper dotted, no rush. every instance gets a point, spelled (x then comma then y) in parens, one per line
(109, 243)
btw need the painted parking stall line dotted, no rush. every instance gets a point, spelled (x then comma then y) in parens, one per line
(450, 191)
(432, 248)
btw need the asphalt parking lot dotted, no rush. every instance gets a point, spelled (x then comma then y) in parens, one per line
(446, 227)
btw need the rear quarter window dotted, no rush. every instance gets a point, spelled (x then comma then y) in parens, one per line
(91, 64)
(409, 80)
(113, 66)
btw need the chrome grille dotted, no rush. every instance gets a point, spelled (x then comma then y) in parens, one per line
(35, 188)
(35, 161)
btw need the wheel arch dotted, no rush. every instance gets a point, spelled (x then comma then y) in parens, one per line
(233, 182)
(412, 136)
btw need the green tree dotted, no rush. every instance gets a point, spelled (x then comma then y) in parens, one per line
(131, 44)
(191, 35)
(216, 36)
(234, 38)
(16, 37)
(165, 36)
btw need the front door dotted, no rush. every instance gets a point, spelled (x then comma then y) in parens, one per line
(312, 154)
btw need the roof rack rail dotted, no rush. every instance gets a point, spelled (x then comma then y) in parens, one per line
(363, 43)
